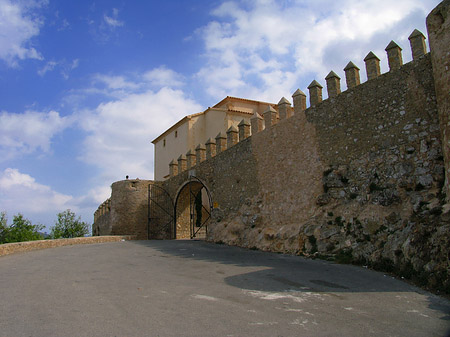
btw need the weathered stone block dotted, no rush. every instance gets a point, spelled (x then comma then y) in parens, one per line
(256, 123)
(270, 116)
(244, 130)
(221, 142)
(394, 53)
(210, 148)
(315, 93)
(417, 41)
(284, 108)
(200, 153)
(191, 159)
(438, 26)
(299, 99)
(352, 75)
(182, 163)
(372, 66)
(173, 168)
(232, 136)
(333, 84)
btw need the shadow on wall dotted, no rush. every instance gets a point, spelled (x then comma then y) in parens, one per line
(286, 273)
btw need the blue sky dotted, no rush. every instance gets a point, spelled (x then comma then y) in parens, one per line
(86, 85)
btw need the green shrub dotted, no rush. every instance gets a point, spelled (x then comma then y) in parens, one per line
(68, 227)
(20, 230)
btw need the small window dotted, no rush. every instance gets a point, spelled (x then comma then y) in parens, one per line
(176, 134)
(164, 143)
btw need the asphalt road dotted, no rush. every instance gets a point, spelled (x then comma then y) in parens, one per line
(193, 288)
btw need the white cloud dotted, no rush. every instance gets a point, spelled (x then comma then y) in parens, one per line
(19, 192)
(261, 48)
(113, 21)
(115, 82)
(17, 28)
(134, 109)
(67, 68)
(120, 131)
(75, 64)
(120, 86)
(164, 77)
(64, 66)
(64, 25)
(29, 132)
(49, 66)
(105, 28)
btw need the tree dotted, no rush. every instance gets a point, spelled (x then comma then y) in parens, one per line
(68, 226)
(21, 230)
(3, 227)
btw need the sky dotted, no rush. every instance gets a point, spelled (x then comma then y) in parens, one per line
(85, 86)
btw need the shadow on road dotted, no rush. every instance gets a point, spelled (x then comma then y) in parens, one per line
(282, 273)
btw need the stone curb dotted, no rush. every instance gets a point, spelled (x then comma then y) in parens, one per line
(19, 247)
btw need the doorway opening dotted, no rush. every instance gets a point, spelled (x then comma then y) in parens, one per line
(192, 210)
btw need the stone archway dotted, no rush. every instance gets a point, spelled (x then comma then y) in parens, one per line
(192, 210)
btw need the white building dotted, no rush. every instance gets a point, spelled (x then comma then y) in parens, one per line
(196, 129)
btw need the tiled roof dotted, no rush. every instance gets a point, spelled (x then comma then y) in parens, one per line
(188, 117)
(241, 99)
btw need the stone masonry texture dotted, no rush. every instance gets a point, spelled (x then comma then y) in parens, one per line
(129, 210)
(27, 246)
(438, 26)
(359, 177)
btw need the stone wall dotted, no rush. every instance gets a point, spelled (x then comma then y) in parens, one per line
(126, 212)
(438, 26)
(363, 185)
(102, 219)
(27, 246)
(358, 177)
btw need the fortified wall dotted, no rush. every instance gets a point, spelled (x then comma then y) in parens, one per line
(358, 177)
(126, 211)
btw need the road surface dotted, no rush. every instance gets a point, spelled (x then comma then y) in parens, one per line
(194, 288)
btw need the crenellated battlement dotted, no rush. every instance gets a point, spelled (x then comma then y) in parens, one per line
(104, 208)
(363, 174)
(272, 116)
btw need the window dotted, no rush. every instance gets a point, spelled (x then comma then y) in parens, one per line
(176, 134)
(164, 143)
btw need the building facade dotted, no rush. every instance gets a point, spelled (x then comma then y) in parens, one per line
(197, 128)
(362, 176)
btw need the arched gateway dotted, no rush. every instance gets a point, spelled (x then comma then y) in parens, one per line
(185, 218)
(192, 210)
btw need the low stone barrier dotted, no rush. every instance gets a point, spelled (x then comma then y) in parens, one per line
(18, 247)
